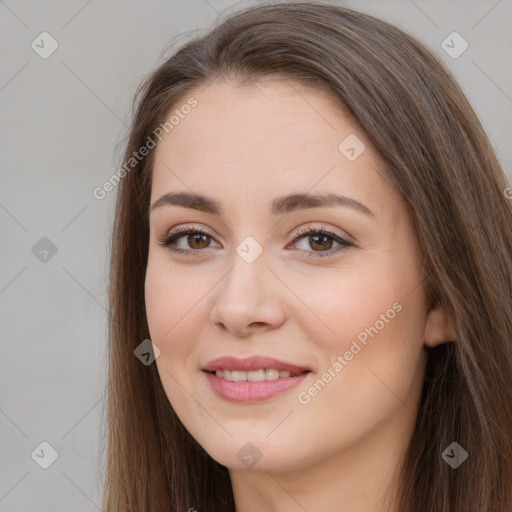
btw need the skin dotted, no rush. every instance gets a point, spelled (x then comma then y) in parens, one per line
(244, 146)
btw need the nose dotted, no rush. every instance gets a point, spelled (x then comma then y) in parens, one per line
(248, 299)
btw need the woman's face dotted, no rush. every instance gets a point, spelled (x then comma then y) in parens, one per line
(264, 299)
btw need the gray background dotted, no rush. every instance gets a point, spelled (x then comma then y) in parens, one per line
(62, 120)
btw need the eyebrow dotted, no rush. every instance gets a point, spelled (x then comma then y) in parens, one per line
(280, 205)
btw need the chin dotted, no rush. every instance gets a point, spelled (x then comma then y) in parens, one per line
(258, 455)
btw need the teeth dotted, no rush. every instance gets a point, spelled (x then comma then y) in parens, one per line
(254, 376)
(271, 374)
(237, 376)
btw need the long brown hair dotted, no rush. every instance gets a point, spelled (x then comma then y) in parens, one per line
(434, 151)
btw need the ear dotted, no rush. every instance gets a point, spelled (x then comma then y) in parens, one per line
(438, 328)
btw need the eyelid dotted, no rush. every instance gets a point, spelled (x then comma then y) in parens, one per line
(335, 232)
(300, 231)
(183, 230)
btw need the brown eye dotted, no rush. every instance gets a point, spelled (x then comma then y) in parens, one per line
(321, 241)
(193, 240)
(198, 241)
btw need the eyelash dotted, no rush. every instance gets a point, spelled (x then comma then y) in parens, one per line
(171, 238)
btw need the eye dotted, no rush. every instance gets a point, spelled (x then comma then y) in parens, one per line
(320, 239)
(194, 237)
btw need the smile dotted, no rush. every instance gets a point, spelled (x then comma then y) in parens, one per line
(254, 375)
(253, 379)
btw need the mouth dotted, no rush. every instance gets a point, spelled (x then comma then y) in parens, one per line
(254, 375)
(252, 379)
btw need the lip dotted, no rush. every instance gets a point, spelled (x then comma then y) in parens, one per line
(252, 363)
(247, 391)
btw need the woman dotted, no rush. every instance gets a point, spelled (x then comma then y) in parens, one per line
(313, 231)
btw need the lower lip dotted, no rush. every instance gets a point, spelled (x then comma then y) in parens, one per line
(246, 392)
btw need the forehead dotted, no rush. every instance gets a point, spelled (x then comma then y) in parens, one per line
(267, 139)
(237, 121)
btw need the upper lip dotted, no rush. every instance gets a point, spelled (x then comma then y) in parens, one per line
(252, 363)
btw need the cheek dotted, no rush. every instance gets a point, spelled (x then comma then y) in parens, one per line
(372, 386)
(351, 304)
(375, 364)
(169, 303)
(157, 297)
(370, 333)
(169, 307)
